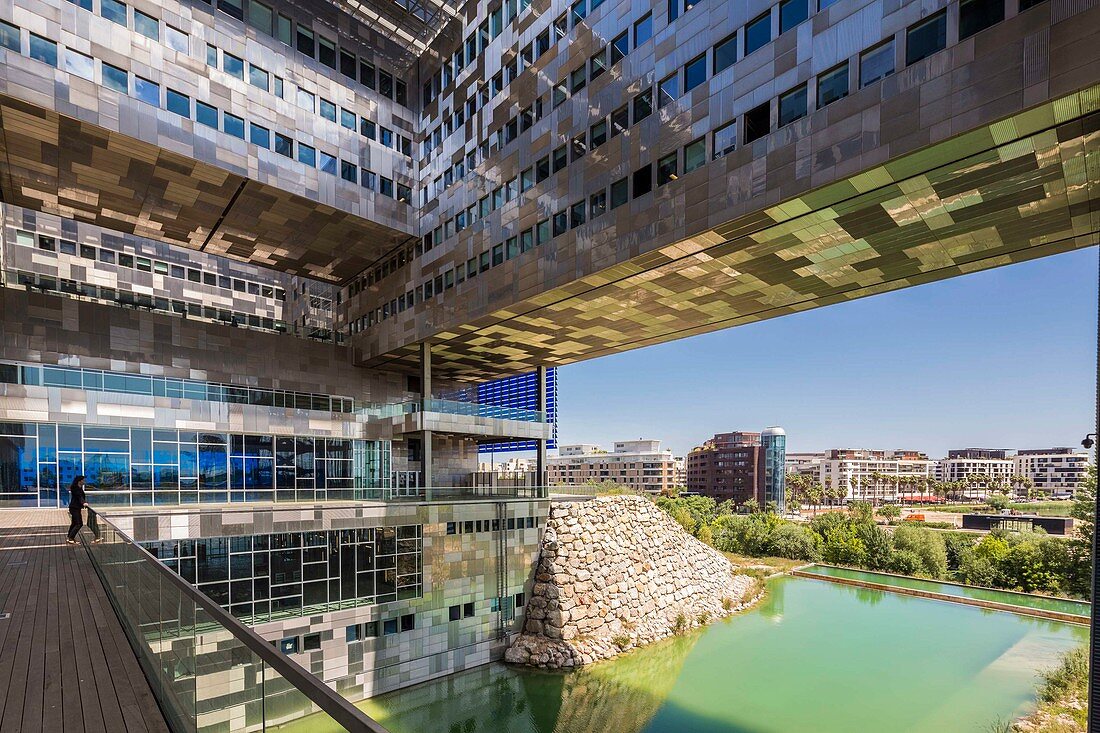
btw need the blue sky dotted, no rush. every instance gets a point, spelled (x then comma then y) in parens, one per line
(1002, 358)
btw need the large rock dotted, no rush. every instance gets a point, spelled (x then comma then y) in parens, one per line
(631, 575)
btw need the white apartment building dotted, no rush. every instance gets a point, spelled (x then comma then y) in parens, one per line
(873, 475)
(1053, 471)
(963, 463)
(640, 464)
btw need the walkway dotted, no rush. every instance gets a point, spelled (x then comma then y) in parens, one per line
(65, 663)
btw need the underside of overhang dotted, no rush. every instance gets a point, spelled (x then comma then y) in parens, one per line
(1021, 188)
(71, 168)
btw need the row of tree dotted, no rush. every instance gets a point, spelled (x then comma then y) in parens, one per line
(1025, 561)
(804, 489)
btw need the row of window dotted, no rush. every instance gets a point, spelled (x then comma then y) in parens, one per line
(278, 26)
(922, 39)
(96, 380)
(491, 525)
(372, 629)
(146, 264)
(129, 299)
(307, 100)
(148, 91)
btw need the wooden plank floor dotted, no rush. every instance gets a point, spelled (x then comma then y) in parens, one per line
(65, 663)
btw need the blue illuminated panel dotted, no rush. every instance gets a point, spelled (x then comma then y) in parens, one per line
(521, 392)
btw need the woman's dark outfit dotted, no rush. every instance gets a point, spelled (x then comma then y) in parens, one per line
(76, 503)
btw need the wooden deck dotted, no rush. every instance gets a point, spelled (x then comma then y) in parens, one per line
(65, 663)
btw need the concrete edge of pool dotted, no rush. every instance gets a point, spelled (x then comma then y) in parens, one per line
(932, 595)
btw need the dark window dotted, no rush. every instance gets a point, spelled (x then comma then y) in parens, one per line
(695, 72)
(673, 10)
(876, 63)
(758, 32)
(643, 181)
(284, 145)
(311, 642)
(305, 41)
(792, 106)
(832, 85)
(620, 47)
(576, 215)
(620, 120)
(619, 194)
(468, 609)
(454, 613)
(179, 103)
(577, 80)
(977, 15)
(643, 105)
(598, 134)
(725, 53)
(643, 30)
(206, 115)
(791, 13)
(326, 52)
(561, 223)
(598, 64)
(666, 169)
(926, 38)
(408, 622)
(757, 122)
(597, 204)
(668, 90)
(347, 64)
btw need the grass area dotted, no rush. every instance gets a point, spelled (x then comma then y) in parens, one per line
(766, 565)
(1042, 508)
(1062, 697)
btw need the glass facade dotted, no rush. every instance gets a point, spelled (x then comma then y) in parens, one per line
(143, 466)
(266, 577)
(774, 443)
(519, 392)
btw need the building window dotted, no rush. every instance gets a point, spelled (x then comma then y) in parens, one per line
(977, 15)
(206, 115)
(643, 29)
(353, 633)
(80, 65)
(233, 125)
(597, 65)
(307, 155)
(620, 47)
(619, 194)
(725, 53)
(305, 41)
(926, 38)
(791, 13)
(175, 39)
(832, 85)
(468, 610)
(311, 642)
(147, 91)
(757, 122)
(597, 204)
(44, 50)
(454, 613)
(758, 32)
(643, 105)
(725, 139)
(178, 103)
(695, 72)
(289, 645)
(643, 181)
(113, 11)
(668, 90)
(284, 145)
(257, 77)
(9, 37)
(666, 169)
(876, 63)
(598, 134)
(232, 65)
(792, 105)
(146, 25)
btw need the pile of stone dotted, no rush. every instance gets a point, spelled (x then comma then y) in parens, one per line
(614, 573)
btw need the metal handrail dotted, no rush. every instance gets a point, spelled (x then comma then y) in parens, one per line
(332, 703)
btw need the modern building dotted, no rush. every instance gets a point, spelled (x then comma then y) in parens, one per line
(970, 465)
(254, 253)
(1052, 471)
(875, 475)
(639, 464)
(739, 466)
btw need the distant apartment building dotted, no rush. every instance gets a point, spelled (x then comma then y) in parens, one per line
(739, 466)
(874, 475)
(1053, 471)
(961, 464)
(640, 464)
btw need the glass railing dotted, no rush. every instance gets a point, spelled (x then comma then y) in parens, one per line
(208, 671)
(454, 493)
(453, 407)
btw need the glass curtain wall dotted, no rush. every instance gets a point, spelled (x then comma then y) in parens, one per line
(143, 466)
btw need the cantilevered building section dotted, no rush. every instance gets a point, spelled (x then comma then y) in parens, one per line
(251, 251)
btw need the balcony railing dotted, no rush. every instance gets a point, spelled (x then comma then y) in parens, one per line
(453, 407)
(209, 671)
(454, 493)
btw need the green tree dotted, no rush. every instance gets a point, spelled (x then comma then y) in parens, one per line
(751, 505)
(861, 511)
(997, 502)
(842, 547)
(1083, 512)
(889, 512)
(905, 562)
(926, 544)
(795, 542)
(878, 545)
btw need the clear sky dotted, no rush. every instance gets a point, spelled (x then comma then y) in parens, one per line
(1002, 358)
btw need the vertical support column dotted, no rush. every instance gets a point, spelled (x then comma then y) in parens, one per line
(425, 398)
(540, 404)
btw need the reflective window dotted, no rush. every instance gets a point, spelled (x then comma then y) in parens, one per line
(977, 15)
(232, 65)
(178, 103)
(43, 49)
(206, 114)
(725, 53)
(832, 85)
(9, 37)
(758, 33)
(257, 77)
(233, 125)
(113, 11)
(146, 25)
(668, 90)
(695, 155)
(695, 72)
(725, 139)
(175, 39)
(926, 38)
(643, 30)
(147, 91)
(792, 105)
(876, 63)
(258, 135)
(79, 64)
(791, 13)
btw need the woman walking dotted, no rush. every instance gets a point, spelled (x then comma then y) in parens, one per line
(77, 501)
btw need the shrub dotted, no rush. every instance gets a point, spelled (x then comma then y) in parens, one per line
(956, 543)
(975, 569)
(680, 624)
(705, 534)
(795, 542)
(905, 562)
(621, 640)
(927, 545)
(842, 547)
(1070, 677)
(878, 544)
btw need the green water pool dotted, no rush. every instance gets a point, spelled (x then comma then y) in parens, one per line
(813, 656)
(1062, 605)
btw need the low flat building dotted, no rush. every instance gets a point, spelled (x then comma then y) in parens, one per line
(639, 464)
(1053, 471)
